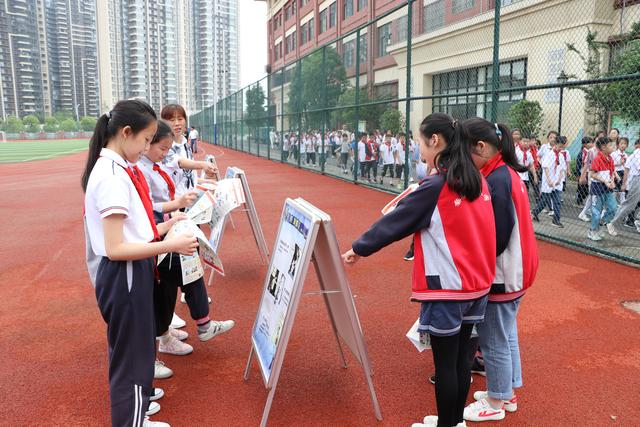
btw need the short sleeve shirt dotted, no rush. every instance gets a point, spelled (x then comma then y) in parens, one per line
(552, 167)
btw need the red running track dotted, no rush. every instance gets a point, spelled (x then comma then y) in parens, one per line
(580, 348)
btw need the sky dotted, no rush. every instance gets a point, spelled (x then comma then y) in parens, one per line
(253, 40)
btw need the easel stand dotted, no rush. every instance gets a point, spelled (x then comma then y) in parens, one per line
(322, 249)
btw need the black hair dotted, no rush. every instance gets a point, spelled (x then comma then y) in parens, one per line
(617, 130)
(173, 110)
(586, 140)
(132, 112)
(164, 131)
(637, 142)
(496, 134)
(602, 141)
(621, 139)
(455, 160)
(552, 132)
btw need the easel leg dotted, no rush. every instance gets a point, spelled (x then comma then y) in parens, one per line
(372, 392)
(211, 273)
(247, 370)
(267, 406)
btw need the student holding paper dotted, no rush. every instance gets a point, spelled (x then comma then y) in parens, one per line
(123, 233)
(166, 199)
(451, 218)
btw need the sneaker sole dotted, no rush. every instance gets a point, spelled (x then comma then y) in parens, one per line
(181, 353)
(496, 417)
(162, 377)
(153, 411)
(481, 373)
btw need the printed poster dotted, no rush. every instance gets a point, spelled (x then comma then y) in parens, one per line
(228, 196)
(283, 275)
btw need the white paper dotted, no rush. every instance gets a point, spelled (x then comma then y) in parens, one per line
(419, 339)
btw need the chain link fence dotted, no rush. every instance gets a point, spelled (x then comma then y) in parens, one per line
(553, 70)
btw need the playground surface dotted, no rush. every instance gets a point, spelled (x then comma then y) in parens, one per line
(580, 347)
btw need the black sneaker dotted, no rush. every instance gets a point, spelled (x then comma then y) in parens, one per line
(629, 224)
(409, 255)
(557, 224)
(478, 368)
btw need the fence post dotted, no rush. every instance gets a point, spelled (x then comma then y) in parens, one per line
(407, 112)
(323, 156)
(282, 118)
(356, 132)
(495, 83)
(299, 108)
(268, 117)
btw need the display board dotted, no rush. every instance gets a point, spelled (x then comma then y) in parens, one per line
(305, 234)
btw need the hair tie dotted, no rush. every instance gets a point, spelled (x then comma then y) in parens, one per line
(498, 132)
(453, 124)
(108, 114)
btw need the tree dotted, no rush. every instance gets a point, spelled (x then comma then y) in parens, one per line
(255, 114)
(51, 124)
(604, 98)
(31, 123)
(69, 125)
(63, 115)
(88, 124)
(13, 125)
(369, 113)
(315, 85)
(392, 120)
(526, 116)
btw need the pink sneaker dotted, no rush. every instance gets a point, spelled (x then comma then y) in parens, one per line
(170, 345)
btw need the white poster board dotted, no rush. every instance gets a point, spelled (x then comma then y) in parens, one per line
(305, 233)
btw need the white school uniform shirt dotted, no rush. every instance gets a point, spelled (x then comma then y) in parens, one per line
(110, 191)
(567, 154)
(633, 164)
(183, 178)
(303, 146)
(619, 159)
(386, 153)
(193, 134)
(550, 168)
(399, 154)
(525, 158)
(362, 152)
(157, 186)
(543, 151)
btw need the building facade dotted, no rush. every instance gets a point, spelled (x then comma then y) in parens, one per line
(452, 48)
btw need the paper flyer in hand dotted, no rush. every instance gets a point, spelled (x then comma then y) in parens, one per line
(200, 212)
(419, 339)
(228, 196)
(393, 203)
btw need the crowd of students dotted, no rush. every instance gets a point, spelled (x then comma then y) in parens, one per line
(138, 178)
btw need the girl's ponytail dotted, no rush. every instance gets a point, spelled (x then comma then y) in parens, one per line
(496, 134)
(97, 143)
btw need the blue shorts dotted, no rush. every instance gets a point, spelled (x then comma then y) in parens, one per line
(444, 318)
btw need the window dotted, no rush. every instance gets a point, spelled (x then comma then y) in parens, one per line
(384, 37)
(333, 9)
(347, 9)
(348, 49)
(306, 32)
(312, 26)
(294, 7)
(323, 22)
(277, 52)
(363, 48)
(303, 3)
(362, 4)
(290, 43)
(458, 6)
(402, 30)
(450, 85)
(434, 16)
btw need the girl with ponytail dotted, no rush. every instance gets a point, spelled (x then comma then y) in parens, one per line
(451, 220)
(124, 237)
(516, 266)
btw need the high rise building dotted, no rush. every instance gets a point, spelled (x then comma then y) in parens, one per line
(23, 73)
(72, 56)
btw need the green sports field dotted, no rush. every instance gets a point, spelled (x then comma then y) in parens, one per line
(15, 152)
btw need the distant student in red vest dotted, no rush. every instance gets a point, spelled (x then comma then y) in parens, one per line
(517, 263)
(450, 216)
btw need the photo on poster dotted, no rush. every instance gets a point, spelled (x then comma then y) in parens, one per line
(294, 260)
(272, 287)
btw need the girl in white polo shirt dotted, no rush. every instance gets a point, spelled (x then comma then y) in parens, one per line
(123, 233)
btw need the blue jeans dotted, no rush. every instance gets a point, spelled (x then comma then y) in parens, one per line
(606, 200)
(498, 336)
(553, 201)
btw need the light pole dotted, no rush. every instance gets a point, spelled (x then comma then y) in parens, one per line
(562, 80)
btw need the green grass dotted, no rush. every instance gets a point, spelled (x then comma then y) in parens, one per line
(16, 152)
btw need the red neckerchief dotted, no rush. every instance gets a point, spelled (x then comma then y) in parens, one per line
(167, 179)
(534, 153)
(608, 161)
(494, 163)
(143, 191)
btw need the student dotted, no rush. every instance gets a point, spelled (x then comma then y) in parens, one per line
(525, 159)
(603, 182)
(516, 267)
(454, 202)
(554, 168)
(619, 157)
(386, 155)
(123, 233)
(585, 178)
(193, 139)
(344, 152)
(582, 191)
(371, 159)
(545, 148)
(399, 158)
(630, 183)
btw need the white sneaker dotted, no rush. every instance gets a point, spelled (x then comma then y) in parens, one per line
(149, 423)
(154, 408)
(178, 334)
(637, 224)
(482, 411)
(177, 322)
(544, 210)
(509, 405)
(550, 213)
(612, 229)
(584, 217)
(157, 394)
(428, 421)
(170, 345)
(216, 328)
(161, 372)
(593, 235)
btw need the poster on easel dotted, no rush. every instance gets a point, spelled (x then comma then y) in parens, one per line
(305, 235)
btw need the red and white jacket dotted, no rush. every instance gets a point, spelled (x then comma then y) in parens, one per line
(454, 240)
(516, 247)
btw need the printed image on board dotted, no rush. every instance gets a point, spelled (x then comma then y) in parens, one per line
(290, 246)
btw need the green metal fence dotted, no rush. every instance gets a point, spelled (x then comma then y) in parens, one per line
(569, 66)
